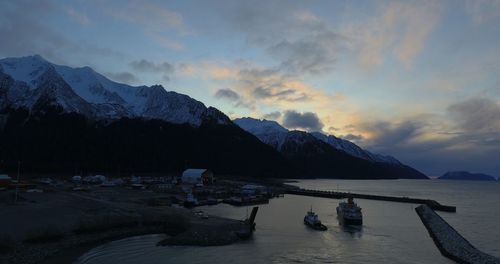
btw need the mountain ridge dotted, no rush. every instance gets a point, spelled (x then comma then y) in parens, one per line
(267, 129)
(467, 176)
(301, 145)
(56, 117)
(107, 99)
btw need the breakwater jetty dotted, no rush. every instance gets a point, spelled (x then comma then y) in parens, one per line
(449, 241)
(341, 195)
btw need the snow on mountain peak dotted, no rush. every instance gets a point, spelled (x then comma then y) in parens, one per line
(353, 149)
(273, 134)
(259, 126)
(108, 99)
(26, 69)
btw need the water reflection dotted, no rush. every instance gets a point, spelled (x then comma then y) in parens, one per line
(391, 232)
(355, 231)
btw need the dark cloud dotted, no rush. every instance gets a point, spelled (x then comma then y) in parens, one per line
(281, 92)
(234, 97)
(123, 77)
(148, 66)
(227, 94)
(388, 135)
(261, 23)
(261, 85)
(475, 147)
(273, 115)
(314, 54)
(477, 115)
(308, 121)
(24, 32)
(164, 68)
(269, 84)
(299, 41)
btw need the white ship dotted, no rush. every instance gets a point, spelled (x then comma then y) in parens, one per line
(350, 213)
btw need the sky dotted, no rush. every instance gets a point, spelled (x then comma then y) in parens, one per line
(419, 80)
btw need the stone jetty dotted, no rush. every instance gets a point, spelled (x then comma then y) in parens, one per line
(449, 241)
(341, 195)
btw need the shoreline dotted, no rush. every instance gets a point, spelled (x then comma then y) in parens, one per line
(68, 224)
(72, 254)
(209, 232)
(70, 251)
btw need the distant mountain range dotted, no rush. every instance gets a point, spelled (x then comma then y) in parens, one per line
(466, 176)
(56, 118)
(272, 133)
(325, 155)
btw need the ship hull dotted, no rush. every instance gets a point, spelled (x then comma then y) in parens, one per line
(347, 220)
(316, 226)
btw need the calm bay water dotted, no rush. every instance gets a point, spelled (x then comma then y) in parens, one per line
(392, 232)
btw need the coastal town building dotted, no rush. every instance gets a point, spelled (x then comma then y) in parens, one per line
(197, 176)
(5, 180)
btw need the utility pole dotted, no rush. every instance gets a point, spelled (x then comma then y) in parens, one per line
(17, 185)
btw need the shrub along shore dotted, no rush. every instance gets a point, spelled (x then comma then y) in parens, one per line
(38, 230)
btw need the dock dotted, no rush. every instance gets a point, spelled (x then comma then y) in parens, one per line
(342, 195)
(449, 242)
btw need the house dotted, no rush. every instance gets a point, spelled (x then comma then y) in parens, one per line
(5, 180)
(197, 176)
(97, 179)
(76, 179)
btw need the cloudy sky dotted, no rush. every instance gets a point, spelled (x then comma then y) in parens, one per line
(419, 80)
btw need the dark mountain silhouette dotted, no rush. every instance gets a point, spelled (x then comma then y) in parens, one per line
(57, 119)
(467, 176)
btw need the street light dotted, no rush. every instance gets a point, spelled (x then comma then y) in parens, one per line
(17, 185)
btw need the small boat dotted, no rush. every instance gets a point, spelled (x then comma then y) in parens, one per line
(311, 220)
(350, 213)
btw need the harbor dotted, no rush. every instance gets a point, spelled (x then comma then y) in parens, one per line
(215, 211)
(391, 232)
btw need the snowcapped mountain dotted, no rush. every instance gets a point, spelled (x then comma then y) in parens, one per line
(319, 155)
(32, 82)
(269, 132)
(259, 126)
(353, 149)
(278, 137)
(273, 134)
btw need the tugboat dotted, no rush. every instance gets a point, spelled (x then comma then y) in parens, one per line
(350, 213)
(311, 220)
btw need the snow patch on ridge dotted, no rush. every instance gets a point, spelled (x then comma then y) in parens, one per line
(105, 99)
(275, 135)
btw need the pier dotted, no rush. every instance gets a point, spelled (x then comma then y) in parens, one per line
(341, 195)
(449, 241)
